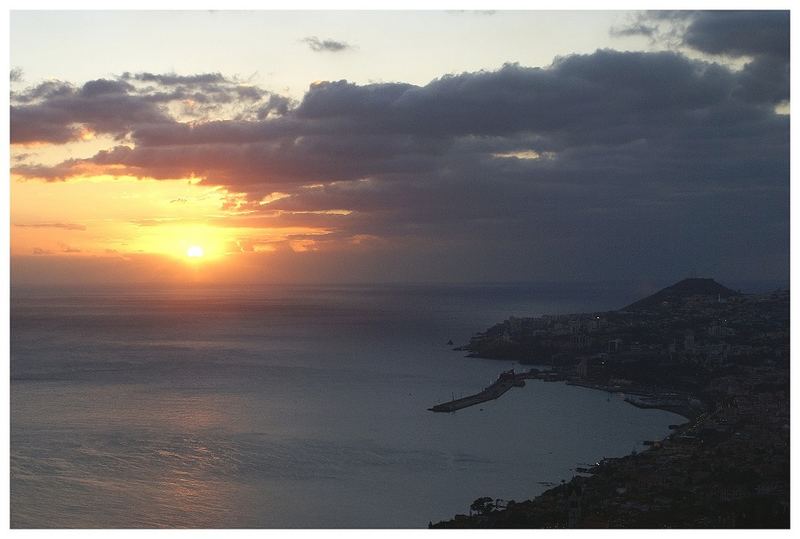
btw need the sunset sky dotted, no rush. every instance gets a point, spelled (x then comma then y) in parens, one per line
(398, 146)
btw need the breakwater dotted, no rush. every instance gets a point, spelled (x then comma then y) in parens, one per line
(504, 382)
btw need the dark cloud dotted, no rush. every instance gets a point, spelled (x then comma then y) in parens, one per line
(53, 112)
(45, 90)
(102, 87)
(637, 28)
(740, 33)
(173, 79)
(326, 45)
(274, 105)
(343, 131)
(57, 112)
(564, 170)
(760, 36)
(765, 79)
(665, 26)
(16, 74)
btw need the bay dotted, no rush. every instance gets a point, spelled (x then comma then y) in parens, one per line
(288, 406)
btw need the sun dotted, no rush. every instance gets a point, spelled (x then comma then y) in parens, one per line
(194, 251)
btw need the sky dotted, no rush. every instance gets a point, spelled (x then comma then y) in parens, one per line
(398, 146)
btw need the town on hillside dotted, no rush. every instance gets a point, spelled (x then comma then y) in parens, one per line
(716, 356)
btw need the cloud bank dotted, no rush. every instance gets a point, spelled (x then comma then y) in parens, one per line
(598, 165)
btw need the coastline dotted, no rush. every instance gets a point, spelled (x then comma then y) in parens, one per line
(662, 400)
(717, 358)
(723, 468)
(639, 490)
(603, 462)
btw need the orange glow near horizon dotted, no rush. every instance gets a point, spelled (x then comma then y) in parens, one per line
(182, 221)
(184, 240)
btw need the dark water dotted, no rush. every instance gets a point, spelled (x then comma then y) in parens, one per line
(286, 407)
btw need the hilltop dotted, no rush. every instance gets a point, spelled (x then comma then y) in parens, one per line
(681, 291)
(698, 316)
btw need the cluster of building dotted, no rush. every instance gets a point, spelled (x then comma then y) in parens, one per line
(689, 339)
(721, 362)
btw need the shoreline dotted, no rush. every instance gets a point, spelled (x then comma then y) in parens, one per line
(717, 358)
(638, 490)
(587, 471)
(691, 415)
(603, 466)
(685, 410)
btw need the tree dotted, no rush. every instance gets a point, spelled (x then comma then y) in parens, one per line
(481, 506)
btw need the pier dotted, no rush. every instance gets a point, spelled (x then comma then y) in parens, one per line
(506, 381)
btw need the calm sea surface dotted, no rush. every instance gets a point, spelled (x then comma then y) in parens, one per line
(290, 407)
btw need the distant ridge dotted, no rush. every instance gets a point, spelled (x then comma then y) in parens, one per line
(681, 290)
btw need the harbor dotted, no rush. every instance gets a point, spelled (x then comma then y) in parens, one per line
(504, 382)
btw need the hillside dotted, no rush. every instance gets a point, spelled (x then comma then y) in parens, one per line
(680, 291)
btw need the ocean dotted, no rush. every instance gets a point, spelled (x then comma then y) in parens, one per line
(288, 406)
